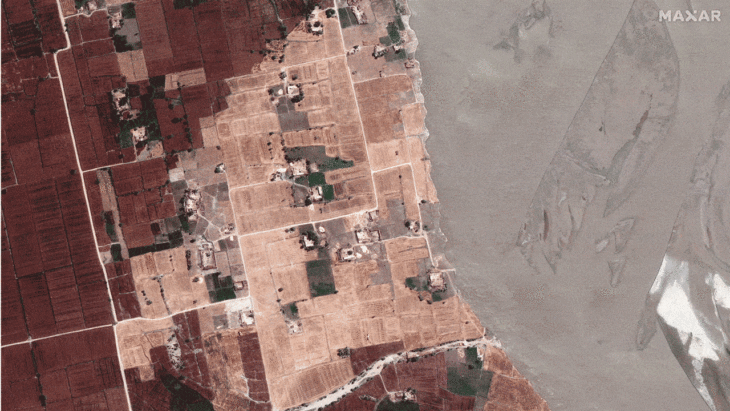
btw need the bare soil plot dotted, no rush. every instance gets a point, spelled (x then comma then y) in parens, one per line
(255, 146)
(304, 334)
(380, 102)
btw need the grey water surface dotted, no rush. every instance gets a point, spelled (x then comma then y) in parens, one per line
(504, 84)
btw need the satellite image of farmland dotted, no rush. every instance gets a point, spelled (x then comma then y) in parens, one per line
(229, 205)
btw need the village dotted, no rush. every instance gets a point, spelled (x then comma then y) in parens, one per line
(227, 205)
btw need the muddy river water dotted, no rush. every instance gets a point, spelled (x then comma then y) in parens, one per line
(501, 102)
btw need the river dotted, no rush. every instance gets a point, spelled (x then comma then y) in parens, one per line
(496, 117)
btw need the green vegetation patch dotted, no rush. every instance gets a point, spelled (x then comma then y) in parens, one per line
(184, 398)
(290, 311)
(110, 231)
(308, 229)
(147, 118)
(459, 384)
(109, 226)
(176, 239)
(323, 289)
(420, 284)
(399, 7)
(303, 180)
(472, 358)
(417, 283)
(318, 156)
(201, 406)
(157, 82)
(347, 17)
(334, 164)
(320, 277)
(316, 179)
(121, 44)
(224, 294)
(128, 11)
(116, 251)
(181, 4)
(133, 252)
(310, 233)
(219, 288)
(465, 378)
(393, 37)
(126, 37)
(388, 405)
(394, 32)
(328, 192)
(185, 224)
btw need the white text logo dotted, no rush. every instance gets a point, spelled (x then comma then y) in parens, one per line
(689, 15)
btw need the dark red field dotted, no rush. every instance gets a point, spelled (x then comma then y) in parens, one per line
(253, 366)
(74, 371)
(225, 38)
(52, 261)
(427, 376)
(362, 358)
(52, 279)
(123, 292)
